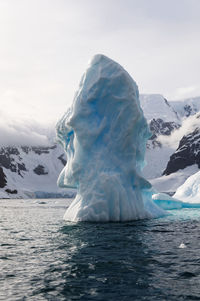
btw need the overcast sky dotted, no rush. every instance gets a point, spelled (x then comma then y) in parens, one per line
(46, 45)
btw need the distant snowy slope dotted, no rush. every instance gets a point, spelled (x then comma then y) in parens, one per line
(156, 160)
(165, 118)
(155, 106)
(186, 107)
(31, 171)
(162, 120)
(170, 183)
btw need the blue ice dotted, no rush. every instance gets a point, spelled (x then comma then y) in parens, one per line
(104, 135)
(170, 203)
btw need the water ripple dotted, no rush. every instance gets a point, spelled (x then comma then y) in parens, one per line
(44, 258)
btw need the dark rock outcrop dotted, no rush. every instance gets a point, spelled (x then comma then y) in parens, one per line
(187, 153)
(188, 110)
(62, 159)
(38, 149)
(8, 157)
(14, 191)
(160, 127)
(3, 180)
(40, 170)
(42, 150)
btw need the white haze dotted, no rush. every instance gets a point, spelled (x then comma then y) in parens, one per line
(188, 126)
(45, 46)
(25, 132)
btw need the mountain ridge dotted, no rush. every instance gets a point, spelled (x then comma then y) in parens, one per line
(32, 171)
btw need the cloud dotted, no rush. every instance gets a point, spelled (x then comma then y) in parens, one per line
(187, 91)
(24, 132)
(188, 126)
(45, 46)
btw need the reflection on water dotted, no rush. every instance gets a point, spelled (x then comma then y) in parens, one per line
(44, 258)
(110, 261)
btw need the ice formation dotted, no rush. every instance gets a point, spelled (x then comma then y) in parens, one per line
(104, 134)
(190, 190)
(170, 203)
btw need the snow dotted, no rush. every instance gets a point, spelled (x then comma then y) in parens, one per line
(189, 125)
(156, 161)
(171, 182)
(190, 190)
(104, 134)
(156, 106)
(29, 184)
(166, 202)
(186, 107)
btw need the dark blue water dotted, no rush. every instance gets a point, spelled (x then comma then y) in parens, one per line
(44, 258)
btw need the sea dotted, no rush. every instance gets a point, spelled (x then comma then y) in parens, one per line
(43, 257)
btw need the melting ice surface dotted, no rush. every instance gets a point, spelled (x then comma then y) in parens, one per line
(104, 134)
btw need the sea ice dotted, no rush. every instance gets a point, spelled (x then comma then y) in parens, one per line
(166, 202)
(104, 134)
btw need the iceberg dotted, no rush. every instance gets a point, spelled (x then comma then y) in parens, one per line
(104, 134)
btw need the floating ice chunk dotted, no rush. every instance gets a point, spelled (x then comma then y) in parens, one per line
(104, 134)
(170, 203)
(182, 246)
(166, 202)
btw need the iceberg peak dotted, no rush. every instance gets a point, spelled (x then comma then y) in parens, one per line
(104, 134)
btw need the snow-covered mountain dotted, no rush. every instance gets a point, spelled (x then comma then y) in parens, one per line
(168, 165)
(163, 120)
(155, 106)
(186, 107)
(187, 153)
(32, 171)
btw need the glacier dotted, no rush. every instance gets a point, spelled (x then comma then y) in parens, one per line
(104, 134)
